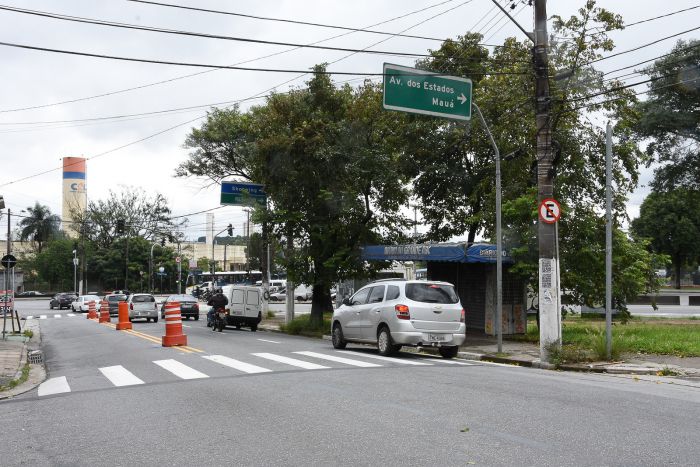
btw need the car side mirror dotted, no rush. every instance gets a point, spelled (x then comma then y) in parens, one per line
(347, 302)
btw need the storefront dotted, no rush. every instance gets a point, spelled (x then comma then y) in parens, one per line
(472, 269)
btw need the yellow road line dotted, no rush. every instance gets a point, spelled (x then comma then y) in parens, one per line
(154, 339)
(192, 349)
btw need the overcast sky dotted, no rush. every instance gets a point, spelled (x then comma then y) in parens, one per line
(36, 78)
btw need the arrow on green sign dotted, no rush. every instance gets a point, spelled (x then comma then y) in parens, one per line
(427, 93)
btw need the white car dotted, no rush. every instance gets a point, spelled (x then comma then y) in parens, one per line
(393, 313)
(143, 305)
(82, 303)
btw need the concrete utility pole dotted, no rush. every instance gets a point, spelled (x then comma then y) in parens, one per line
(550, 310)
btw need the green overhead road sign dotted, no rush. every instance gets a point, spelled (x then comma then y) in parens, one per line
(424, 92)
(242, 193)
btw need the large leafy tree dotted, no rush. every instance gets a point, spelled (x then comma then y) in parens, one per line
(671, 221)
(39, 225)
(324, 155)
(453, 163)
(670, 117)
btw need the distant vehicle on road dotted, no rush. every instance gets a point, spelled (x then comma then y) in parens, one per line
(279, 296)
(244, 306)
(393, 313)
(113, 302)
(82, 303)
(189, 306)
(143, 305)
(30, 293)
(62, 300)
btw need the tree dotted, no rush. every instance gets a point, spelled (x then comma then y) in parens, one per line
(145, 216)
(671, 117)
(322, 154)
(671, 221)
(39, 226)
(54, 264)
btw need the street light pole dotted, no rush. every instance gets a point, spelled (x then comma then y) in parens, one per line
(499, 246)
(75, 271)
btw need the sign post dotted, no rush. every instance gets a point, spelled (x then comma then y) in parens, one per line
(427, 93)
(549, 212)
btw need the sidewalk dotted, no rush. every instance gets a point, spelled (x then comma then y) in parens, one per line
(13, 359)
(480, 347)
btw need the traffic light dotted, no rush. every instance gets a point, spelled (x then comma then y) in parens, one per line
(121, 225)
(162, 241)
(230, 230)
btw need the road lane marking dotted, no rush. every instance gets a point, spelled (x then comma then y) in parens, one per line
(236, 364)
(29, 317)
(191, 349)
(70, 314)
(180, 369)
(451, 362)
(403, 361)
(272, 342)
(54, 386)
(290, 361)
(332, 358)
(120, 376)
(57, 316)
(42, 317)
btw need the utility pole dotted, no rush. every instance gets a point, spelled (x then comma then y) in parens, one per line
(549, 306)
(247, 254)
(608, 241)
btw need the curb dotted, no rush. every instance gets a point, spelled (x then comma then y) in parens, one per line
(37, 372)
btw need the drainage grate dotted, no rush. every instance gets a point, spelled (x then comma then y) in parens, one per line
(35, 357)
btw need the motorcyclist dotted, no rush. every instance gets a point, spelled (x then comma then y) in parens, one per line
(216, 302)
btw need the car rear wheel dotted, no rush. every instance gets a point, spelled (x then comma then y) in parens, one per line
(337, 338)
(196, 318)
(385, 343)
(449, 352)
(155, 320)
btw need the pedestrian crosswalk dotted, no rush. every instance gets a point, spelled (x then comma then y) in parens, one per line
(255, 363)
(69, 315)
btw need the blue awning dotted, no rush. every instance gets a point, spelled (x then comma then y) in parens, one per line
(450, 252)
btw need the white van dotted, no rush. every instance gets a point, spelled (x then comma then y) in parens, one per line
(244, 306)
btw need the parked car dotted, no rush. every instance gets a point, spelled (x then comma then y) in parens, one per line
(244, 306)
(392, 313)
(113, 300)
(279, 296)
(189, 306)
(62, 300)
(143, 305)
(82, 303)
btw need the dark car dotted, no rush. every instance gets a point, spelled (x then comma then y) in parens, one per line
(113, 302)
(189, 308)
(62, 300)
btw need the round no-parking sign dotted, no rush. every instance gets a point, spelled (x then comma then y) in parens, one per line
(550, 210)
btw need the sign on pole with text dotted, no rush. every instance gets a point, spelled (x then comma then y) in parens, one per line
(242, 193)
(424, 92)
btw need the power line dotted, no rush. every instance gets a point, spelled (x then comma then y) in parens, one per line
(177, 78)
(226, 67)
(304, 23)
(196, 34)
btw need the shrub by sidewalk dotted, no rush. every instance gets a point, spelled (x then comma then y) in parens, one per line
(302, 326)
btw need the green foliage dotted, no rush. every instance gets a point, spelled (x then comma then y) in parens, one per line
(53, 266)
(39, 226)
(671, 221)
(304, 326)
(28, 333)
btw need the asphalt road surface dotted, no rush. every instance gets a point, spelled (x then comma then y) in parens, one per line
(244, 398)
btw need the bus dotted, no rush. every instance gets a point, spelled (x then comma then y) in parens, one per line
(197, 277)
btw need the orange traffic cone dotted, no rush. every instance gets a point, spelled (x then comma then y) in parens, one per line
(173, 326)
(124, 322)
(92, 310)
(104, 312)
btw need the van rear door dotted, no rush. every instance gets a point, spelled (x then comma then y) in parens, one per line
(252, 302)
(236, 301)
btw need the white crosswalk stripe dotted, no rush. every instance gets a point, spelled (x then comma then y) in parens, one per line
(180, 369)
(57, 316)
(29, 317)
(42, 317)
(236, 364)
(54, 386)
(290, 361)
(120, 376)
(403, 361)
(332, 358)
(70, 314)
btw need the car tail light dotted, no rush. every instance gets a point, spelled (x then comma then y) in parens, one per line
(402, 312)
(195, 307)
(463, 316)
(155, 306)
(131, 306)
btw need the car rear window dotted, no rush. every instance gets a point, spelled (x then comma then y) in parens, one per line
(116, 298)
(143, 299)
(431, 293)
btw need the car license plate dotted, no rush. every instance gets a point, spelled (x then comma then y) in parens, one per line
(437, 337)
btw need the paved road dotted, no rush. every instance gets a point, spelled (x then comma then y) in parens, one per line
(668, 311)
(273, 399)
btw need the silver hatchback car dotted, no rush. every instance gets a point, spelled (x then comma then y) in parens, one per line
(143, 305)
(393, 313)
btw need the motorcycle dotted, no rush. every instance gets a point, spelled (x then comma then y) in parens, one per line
(218, 320)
